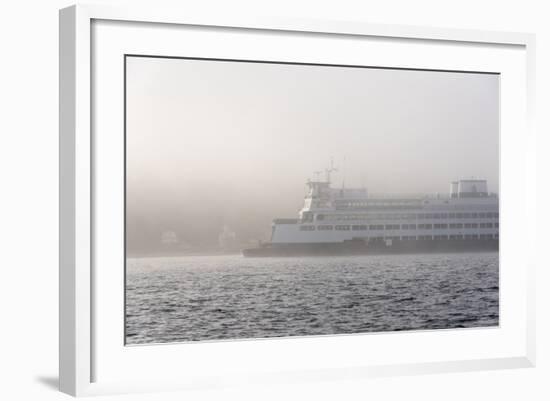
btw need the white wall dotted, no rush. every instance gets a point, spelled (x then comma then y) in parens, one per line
(28, 201)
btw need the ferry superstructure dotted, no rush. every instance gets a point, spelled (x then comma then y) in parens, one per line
(348, 220)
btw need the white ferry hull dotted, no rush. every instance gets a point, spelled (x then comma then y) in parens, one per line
(360, 247)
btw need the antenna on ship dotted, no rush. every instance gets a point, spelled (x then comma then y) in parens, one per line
(330, 170)
(344, 174)
(317, 175)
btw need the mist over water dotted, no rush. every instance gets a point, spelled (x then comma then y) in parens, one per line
(197, 298)
(212, 144)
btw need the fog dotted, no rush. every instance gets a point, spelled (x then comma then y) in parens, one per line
(214, 143)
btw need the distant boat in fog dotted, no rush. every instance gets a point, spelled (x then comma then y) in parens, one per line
(227, 239)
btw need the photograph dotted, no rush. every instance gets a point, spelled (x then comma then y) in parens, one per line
(271, 199)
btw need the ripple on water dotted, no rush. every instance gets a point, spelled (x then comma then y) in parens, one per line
(229, 297)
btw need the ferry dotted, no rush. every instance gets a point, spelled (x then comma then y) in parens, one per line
(347, 221)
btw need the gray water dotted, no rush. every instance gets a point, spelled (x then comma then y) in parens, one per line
(196, 298)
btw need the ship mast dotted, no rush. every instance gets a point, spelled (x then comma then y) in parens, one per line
(330, 170)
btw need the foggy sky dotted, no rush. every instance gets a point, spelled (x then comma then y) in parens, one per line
(212, 143)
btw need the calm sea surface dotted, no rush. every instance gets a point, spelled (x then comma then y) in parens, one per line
(195, 298)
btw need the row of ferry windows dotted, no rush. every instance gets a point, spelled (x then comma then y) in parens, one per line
(457, 236)
(422, 216)
(432, 237)
(365, 227)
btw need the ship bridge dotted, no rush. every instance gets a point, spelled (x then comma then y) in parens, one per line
(321, 197)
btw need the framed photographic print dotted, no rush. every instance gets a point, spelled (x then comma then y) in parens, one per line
(275, 200)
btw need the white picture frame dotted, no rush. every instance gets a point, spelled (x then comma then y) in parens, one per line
(86, 333)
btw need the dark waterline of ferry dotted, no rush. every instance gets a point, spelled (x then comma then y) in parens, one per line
(193, 298)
